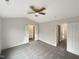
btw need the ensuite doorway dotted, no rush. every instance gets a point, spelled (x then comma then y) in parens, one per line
(31, 32)
(62, 36)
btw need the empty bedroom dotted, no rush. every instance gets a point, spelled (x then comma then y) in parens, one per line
(39, 29)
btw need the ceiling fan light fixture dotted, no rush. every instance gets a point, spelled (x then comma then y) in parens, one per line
(36, 13)
(7, 0)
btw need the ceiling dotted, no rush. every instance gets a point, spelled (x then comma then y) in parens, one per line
(55, 9)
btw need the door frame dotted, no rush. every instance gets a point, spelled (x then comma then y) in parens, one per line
(59, 34)
(27, 33)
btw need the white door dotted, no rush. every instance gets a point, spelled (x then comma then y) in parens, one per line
(36, 32)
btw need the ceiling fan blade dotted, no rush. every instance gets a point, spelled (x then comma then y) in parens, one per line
(42, 13)
(31, 12)
(34, 9)
(42, 9)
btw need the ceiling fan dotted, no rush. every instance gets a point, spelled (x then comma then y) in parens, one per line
(37, 11)
(7, 0)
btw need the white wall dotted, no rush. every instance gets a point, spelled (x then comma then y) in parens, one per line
(73, 38)
(0, 33)
(47, 33)
(14, 31)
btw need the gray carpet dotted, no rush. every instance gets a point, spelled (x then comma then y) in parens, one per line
(37, 50)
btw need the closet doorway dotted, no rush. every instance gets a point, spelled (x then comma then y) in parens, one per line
(62, 36)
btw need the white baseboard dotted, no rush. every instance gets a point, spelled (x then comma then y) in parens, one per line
(14, 45)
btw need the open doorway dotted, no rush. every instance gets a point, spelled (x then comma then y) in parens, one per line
(31, 33)
(62, 36)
